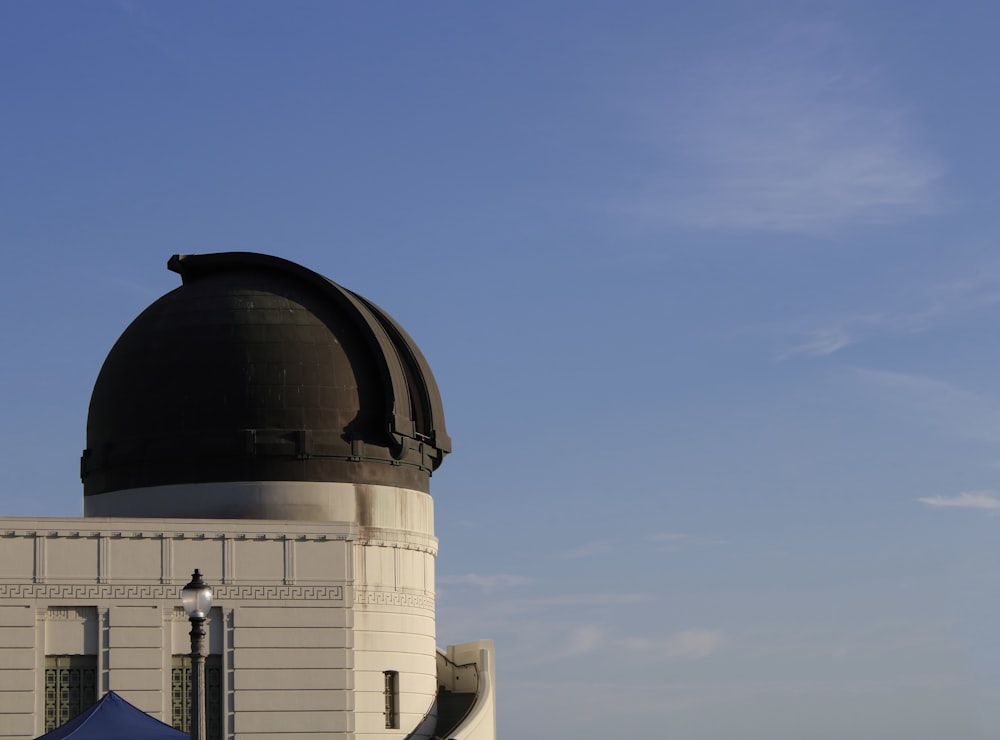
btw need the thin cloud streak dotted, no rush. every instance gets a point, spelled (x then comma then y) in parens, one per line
(587, 639)
(819, 344)
(935, 306)
(509, 607)
(691, 644)
(949, 407)
(589, 549)
(590, 599)
(583, 639)
(486, 582)
(675, 541)
(982, 500)
(789, 134)
(661, 542)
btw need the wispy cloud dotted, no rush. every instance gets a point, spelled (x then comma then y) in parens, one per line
(983, 500)
(583, 639)
(589, 549)
(845, 332)
(674, 541)
(819, 343)
(688, 644)
(559, 641)
(591, 599)
(787, 129)
(543, 628)
(486, 582)
(950, 407)
(916, 311)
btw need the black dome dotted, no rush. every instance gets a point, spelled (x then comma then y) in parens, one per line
(257, 369)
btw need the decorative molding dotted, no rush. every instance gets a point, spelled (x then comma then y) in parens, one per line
(103, 560)
(284, 593)
(100, 591)
(70, 613)
(398, 544)
(39, 574)
(228, 560)
(393, 598)
(289, 561)
(166, 561)
(125, 534)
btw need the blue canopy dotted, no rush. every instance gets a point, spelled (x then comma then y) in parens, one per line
(113, 718)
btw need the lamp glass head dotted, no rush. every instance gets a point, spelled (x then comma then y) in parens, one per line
(197, 597)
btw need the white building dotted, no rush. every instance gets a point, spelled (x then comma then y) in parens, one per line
(277, 432)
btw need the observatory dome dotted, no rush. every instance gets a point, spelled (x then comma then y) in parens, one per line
(257, 369)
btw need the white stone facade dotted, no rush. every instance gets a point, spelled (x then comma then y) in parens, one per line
(308, 617)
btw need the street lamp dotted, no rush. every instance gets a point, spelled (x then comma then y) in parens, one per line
(197, 600)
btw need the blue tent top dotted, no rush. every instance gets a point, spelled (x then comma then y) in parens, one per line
(113, 718)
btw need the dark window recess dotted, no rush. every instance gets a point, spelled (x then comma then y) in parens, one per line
(392, 700)
(70, 687)
(180, 695)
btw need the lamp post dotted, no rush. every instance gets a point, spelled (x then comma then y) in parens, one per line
(197, 600)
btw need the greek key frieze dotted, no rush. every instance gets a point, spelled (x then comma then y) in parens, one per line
(394, 598)
(156, 592)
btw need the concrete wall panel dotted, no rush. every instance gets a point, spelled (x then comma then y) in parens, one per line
(17, 635)
(260, 560)
(205, 555)
(17, 702)
(291, 679)
(71, 558)
(293, 637)
(18, 725)
(285, 617)
(12, 658)
(134, 559)
(136, 679)
(17, 616)
(292, 658)
(394, 621)
(136, 637)
(136, 658)
(135, 616)
(21, 680)
(320, 561)
(390, 642)
(317, 700)
(289, 722)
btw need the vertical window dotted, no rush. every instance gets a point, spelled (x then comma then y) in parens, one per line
(180, 695)
(70, 687)
(392, 700)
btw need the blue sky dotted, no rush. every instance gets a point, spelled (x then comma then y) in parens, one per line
(711, 291)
